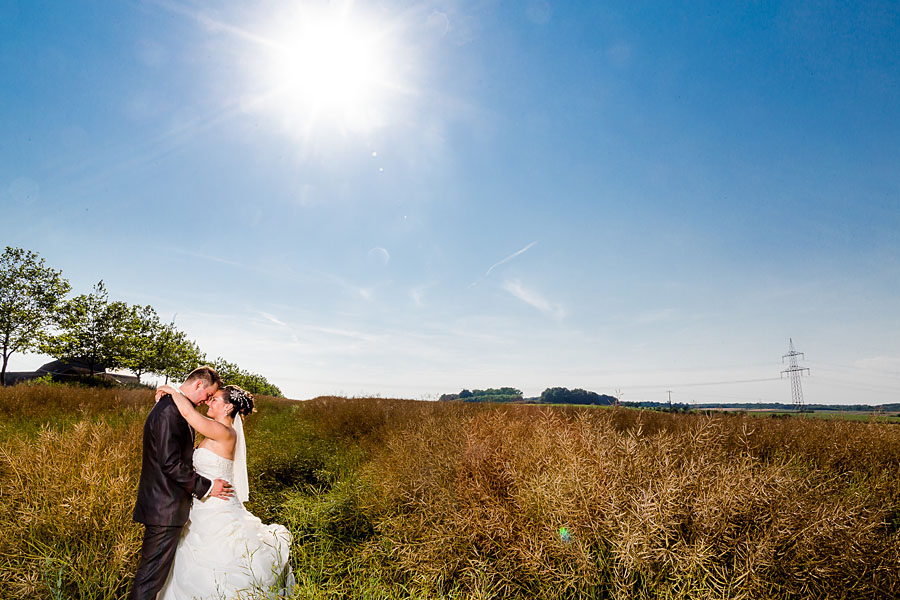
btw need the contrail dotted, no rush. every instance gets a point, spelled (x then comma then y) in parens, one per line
(213, 24)
(510, 257)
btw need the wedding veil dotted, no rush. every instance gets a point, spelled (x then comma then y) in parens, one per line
(241, 484)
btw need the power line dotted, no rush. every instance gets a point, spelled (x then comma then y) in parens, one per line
(866, 370)
(701, 383)
(875, 388)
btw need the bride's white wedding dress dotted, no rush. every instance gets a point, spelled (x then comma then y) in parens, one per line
(225, 552)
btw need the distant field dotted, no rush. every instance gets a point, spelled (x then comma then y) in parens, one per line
(404, 499)
(852, 415)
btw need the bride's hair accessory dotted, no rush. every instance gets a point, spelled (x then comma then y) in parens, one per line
(242, 400)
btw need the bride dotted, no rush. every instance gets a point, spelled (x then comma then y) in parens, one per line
(225, 552)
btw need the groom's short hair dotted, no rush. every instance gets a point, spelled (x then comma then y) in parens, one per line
(205, 374)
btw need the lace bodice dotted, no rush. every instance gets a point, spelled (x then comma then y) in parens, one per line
(212, 466)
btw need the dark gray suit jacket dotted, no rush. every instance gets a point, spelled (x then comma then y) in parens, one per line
(168, 479)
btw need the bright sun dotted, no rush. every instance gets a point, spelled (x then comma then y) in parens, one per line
(324, 69)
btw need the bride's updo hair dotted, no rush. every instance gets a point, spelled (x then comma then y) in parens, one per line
(240, 400)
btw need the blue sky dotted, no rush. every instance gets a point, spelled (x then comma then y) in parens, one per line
(409, 198)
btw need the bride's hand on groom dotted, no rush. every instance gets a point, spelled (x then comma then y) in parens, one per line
(163, 390)
(221, 489)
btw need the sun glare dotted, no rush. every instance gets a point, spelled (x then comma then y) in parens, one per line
(332, 66)
(328, 70)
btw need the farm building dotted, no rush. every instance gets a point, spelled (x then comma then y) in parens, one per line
(65, 369)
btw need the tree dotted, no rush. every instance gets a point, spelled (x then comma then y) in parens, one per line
(175, 354)
(93, 329)
(30, 293)
(561, 395)
(142, 332)
(231, 374)
(504, 394)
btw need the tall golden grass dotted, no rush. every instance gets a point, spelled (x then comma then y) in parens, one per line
(651, 505)
(67, 487)
(392, 498)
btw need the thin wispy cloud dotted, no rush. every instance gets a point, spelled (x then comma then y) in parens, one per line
(417, 294)
(534, 299)
(655, 316)
(272, 319)
(347, 333)
(212, 24)
(366, 293)
(379, 255)
(202, 256)
(510, 257)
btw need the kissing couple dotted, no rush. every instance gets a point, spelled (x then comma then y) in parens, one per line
(200, 542)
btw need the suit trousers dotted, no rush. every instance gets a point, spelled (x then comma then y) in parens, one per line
(157, 554)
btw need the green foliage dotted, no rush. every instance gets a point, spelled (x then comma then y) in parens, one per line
(30, 293)
(113, 335)
(285, 451)
(254, 383)
(561, 395)
(93, 330)
(174, 354)
(504, 394)
(46, 379)
(142, 331)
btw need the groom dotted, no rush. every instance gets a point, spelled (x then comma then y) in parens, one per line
(168, 482)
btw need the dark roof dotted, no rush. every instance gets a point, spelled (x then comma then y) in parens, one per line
(59, 368)
(14, 377)
(74, 365)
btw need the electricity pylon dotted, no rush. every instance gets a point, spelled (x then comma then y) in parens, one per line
(794, 371)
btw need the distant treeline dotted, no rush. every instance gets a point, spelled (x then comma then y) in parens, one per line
(778, 406)
(555, 395)
(781, 406)
(561, 395)
(504, 394)
(664, 406)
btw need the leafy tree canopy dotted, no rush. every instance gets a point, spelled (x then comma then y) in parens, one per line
(561, 395)
(142, 331)
(175, 356)
(231, 374)
(30, 293)
(504, 394)
(92, 330)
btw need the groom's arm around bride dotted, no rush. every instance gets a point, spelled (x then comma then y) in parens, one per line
(168, 482)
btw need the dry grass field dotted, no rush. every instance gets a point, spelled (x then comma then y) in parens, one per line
(403, 499)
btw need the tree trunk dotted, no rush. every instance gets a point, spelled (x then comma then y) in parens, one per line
(6, 354)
